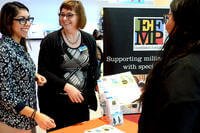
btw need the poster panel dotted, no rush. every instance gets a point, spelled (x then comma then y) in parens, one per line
(133, 38)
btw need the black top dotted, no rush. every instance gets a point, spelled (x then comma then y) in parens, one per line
(173, 105)
(49, 66)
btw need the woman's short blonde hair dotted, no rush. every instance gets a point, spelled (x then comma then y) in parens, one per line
(77, 6)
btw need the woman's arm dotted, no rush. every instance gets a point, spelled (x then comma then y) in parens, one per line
(48, 61)
(41, 119)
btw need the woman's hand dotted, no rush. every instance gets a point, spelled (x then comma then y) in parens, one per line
(41, 80)
(73, 93)
(44, 121)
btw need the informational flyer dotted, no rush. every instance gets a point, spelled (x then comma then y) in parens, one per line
(104, 129)
(122, 87)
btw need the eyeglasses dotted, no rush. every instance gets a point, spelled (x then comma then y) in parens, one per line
(166, 17)
(68, 15)
(24, 21)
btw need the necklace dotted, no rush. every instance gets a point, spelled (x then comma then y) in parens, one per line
(76, 40)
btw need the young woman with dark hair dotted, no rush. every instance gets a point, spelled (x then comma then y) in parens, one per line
(18, 105)
(171, 98)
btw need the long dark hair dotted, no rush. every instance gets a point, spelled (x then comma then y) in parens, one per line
(7, 14)
(182, 40)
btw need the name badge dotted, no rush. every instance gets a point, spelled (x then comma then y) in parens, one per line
(82, 48)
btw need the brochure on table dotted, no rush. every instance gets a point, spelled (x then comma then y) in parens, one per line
(122, 87)
(104, 129)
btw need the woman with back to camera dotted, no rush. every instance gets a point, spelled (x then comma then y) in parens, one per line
(171, 98)
(18, 112)
(67, 58)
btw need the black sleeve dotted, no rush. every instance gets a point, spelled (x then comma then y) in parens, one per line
(182, 82)
(181, 113)
(94, 61)
(180, 118)
(48, 63)
(93, 68)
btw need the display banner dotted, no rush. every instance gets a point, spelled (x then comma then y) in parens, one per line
(133, 38)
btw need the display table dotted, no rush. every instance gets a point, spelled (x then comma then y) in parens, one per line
(128, 126)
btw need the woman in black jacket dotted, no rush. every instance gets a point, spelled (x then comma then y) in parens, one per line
(67, 58)
(171, 98)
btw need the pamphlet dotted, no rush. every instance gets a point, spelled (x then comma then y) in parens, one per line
(122, 87)
(104, 129)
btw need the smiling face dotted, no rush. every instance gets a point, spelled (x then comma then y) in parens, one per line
(68, 19)
(20, 30)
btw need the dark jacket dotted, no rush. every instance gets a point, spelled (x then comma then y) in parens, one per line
(50, 51)
(173, 105)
